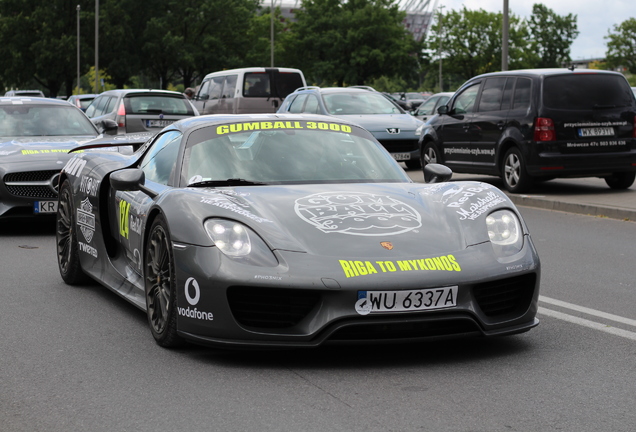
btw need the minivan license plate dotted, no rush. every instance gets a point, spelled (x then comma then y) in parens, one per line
(597, 131)
(410, 300)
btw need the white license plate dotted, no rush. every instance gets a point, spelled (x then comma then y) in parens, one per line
(401, 156)
(407, 301)
(44, 207)
(158, 123)
(599, 131)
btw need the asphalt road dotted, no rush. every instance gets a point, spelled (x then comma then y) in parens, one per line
(82, 359)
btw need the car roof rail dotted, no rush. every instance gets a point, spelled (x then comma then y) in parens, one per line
(307, 88)
(363, 87)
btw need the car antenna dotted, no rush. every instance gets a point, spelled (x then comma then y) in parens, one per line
(572, 67)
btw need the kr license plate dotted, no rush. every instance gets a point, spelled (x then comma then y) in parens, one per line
(401, 156)
(406, 301)
(158, 123)
(44, 207)
(597, 131)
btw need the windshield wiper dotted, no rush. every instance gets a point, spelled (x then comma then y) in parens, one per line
(228, 182)
(599, 106)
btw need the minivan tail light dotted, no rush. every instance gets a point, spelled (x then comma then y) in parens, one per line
(121, 116)
(544, 129)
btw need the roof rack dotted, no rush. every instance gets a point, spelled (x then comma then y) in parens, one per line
(306, 88)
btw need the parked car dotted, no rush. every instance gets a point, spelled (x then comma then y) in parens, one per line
(81, 101)
(429, 108)
(28, 93)
(391, 125)
(138, 110)
(293, 231)
(35, 137)
(246, 90)
(533, 125)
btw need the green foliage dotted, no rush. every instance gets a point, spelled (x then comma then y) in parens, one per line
(551, 36)
(174, 43)
(352, 41)
(621, 45)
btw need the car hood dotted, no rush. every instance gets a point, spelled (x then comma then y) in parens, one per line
(380, 122)
(415, 219)
(21, 149)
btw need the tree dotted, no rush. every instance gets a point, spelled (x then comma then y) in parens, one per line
(471, 43)
(352, 42)
(621, 47)
(551, 36)
(40, 43)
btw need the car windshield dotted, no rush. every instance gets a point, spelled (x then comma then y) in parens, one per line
(359, 103)
(43, 120)
(307, 152)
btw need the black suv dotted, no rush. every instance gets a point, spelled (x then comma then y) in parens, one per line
(540, 124)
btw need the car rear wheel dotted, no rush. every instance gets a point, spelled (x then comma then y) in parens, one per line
(430, 154)
(66, 239)
(160, 287)
(515, 177)
(620, 180)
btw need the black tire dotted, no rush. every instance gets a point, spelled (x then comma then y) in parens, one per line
(66, 239)
(160, 286)
(413, 164)
(513, 172)
(430, 154)
(621, 180)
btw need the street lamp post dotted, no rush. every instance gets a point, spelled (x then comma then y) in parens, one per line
(504, 37)
(441, 34)
(96, 46)
(78, 49)
(271, 31)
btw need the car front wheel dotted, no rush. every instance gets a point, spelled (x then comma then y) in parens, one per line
(160, 286)
(620, 180)
(515, 177)
(430, 154)
(66, 239)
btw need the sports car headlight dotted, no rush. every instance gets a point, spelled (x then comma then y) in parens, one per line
(504, 231)
(239, 242)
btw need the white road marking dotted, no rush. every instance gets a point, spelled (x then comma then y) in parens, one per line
(587, 323)
(588, 311)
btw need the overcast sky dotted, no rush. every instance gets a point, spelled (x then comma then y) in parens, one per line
(595, 18)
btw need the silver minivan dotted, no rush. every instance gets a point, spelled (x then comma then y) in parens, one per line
(246, 90)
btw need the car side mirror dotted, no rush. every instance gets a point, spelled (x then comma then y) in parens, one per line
(109, 127)
(131, 179)
(443, 109)
(436, 173)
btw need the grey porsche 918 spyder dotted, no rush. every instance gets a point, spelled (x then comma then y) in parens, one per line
(279, 230)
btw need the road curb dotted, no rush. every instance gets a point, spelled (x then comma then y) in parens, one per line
(586, 209)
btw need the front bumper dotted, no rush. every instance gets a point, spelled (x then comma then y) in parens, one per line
(222, 302)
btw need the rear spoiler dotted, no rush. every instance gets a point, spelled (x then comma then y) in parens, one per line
(135, 140)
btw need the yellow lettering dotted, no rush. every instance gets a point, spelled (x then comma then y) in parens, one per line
(223, 129)
(279, 125)
(370, 268)
(404, 265)
(346, 268)
(250, 126)
(454, 264)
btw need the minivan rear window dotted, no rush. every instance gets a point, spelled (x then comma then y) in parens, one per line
(586, 91)
(157, 105)
(271, 83)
